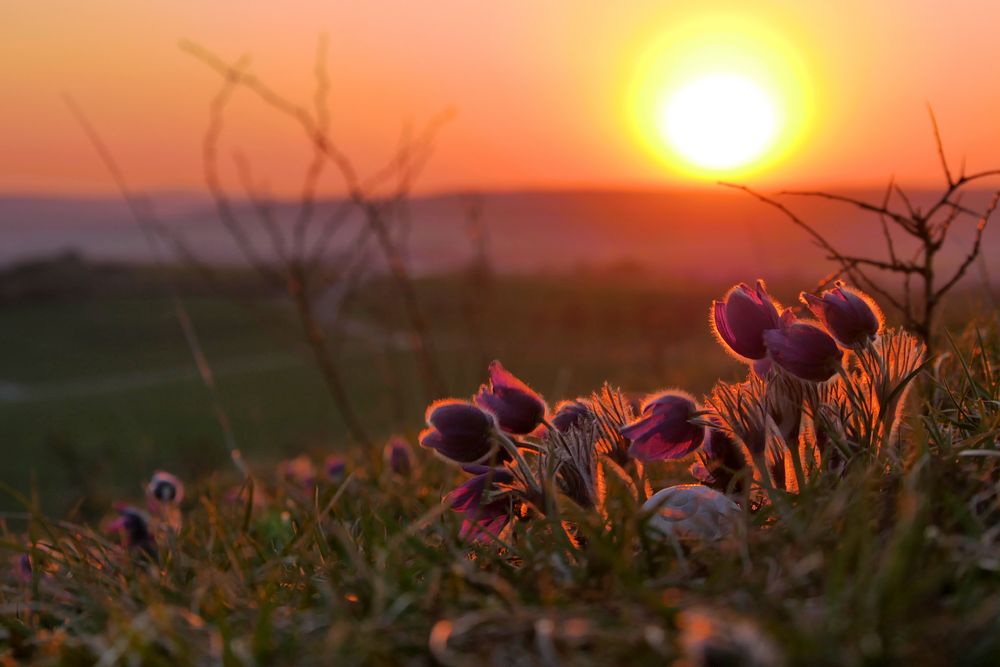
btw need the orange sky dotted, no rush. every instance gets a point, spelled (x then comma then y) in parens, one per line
(541, 87)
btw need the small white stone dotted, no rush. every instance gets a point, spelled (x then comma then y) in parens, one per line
(692, 510)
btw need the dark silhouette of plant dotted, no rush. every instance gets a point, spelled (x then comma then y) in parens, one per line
(928, 226)
(302, 264)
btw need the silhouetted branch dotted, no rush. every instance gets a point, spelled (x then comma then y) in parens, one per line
(928, 228)
(976, 247)
(940, 146)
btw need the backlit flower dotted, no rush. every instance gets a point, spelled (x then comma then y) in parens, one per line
(484, 514)
(742, 317)
(663, 430)
(335, 468)
(459, 431)
(299, 472)
(571, 413)
(165, 489)
(849, 315)
(804, 349)
(398, 456)
(517, 407)
(133, 526)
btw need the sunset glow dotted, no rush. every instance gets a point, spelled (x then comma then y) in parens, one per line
(721, 96)
(719, 122)
(560, 94)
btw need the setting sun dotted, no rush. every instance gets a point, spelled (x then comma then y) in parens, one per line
(719, 121)
(720, 96)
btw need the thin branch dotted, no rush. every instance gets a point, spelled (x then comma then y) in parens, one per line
(940, 147)
(260, 205)
(849, 264)
(279, 103)
(145, 219)
(885, 225)
(871, 208)
(223, 206)
(315, 169)
(914, 213)
(974, 252)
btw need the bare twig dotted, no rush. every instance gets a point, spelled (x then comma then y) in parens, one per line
(929, 229)
(319, 137)
(974, 251)
(143, 216)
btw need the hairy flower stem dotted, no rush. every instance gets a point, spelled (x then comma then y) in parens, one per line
(800, 474)
(524, 470)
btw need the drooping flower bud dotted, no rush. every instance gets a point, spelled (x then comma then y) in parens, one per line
(742, 317)
(335, 468)
(23, 568)
(663, 430)
(571, 413)
(398, 456)
(133, 526)
(803, 349)
(518, 408)
(165, 489)
(299, 472)
(852, 317)
(485, 514)
(458, 431)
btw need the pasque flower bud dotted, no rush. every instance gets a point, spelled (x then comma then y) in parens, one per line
(571, 413)
(165, 489)
(335, 467)
(518, 408)
(398, 456)
(803, 349)
(458, 431)
(484, 515)
(849, 315)
(742, 317)
(133, 525)
(663, 430)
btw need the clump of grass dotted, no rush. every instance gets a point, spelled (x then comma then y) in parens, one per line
(884, 553)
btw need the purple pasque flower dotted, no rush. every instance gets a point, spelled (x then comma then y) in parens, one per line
(398, 456)
(299, 472)
(664, 430)
(484, 514)
(335, 468)
(459, 431)
(571, 413)
(164, 489)
(742, 317)
(803, 349)
(23, 568)
(851, 316)
(517, 407)
(133, 526)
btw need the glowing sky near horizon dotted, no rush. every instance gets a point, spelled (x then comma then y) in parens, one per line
(545, 92)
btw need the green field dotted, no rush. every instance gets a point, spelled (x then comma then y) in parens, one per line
(890, 560)
(107, 390)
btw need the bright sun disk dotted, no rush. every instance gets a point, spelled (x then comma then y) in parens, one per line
(719, 121)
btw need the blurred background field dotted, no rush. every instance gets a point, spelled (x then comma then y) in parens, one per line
(98, 387)
(102, 388)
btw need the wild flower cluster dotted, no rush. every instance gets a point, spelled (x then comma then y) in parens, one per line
(820, 394)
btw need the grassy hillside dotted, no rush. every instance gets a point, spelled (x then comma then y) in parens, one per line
(888, 561)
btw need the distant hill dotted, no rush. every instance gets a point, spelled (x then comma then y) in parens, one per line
(715, 232)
